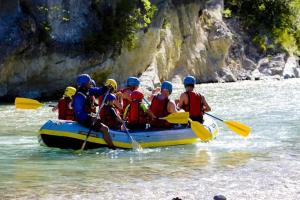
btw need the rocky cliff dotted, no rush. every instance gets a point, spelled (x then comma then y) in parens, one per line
(43, 46)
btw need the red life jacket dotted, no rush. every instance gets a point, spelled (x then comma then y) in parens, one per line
(135, 114)
(194, 106)
(64, 111)
(107, 118)
(126, 102)
(159, 107)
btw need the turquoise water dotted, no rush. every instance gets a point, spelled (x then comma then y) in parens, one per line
(264, 166)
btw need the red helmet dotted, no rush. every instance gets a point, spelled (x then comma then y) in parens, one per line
(137, 95)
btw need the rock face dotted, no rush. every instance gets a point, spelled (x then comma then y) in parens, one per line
(185, 38)
(40, 50)
(43, 47)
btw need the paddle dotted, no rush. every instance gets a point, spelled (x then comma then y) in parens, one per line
(93, 123)
(200, 131)
(135, 144)
(177, 118)
(237, 127)
(183, 118)
(25, 103)
(197, 127)
(147, 102)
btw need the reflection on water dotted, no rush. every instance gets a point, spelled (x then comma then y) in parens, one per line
(266, 164)
(233, 159)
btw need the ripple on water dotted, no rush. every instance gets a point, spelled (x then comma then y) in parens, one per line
(265, 165)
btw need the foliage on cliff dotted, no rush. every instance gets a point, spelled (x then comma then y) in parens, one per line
(271, 23)
(121, 23)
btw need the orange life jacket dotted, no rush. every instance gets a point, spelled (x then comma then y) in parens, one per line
(135, 114)
(195, 106)
(159, 107)
(107, 118)
(64, 111)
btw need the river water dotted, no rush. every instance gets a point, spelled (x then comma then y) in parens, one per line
(264, 166)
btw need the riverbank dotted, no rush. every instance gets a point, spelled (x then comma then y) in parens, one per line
(177, 84)
(45, 45)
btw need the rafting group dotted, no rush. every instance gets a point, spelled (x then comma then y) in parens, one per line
(122, 109)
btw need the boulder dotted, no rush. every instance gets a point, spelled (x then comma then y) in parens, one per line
(220, 197)
(248, 64)
(256, 75)
(291, 68)
(272, 66)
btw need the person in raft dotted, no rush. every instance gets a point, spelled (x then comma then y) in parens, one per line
(82, 108)
(110, 115)
(193, 102)
(64, 106)
(113, 90)
(92, 98)
(136, 113)
(133, 84)
(161, 106)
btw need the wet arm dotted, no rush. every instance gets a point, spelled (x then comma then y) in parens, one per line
(98, 91)
(181, 100)
(172, 107)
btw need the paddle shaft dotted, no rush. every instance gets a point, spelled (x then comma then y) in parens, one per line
(127, 132)
(135, 144)
(147, 102)
(214, 117)
(236, 127)
(94, 121)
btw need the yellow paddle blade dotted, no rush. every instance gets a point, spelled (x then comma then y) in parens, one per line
(201, 131)
(238, 127)
(25, 103)
(177, 118)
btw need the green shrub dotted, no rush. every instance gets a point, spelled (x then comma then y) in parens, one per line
(119, 26)
(261, 42)
(227, 13)
(277, 19)
(286, 40)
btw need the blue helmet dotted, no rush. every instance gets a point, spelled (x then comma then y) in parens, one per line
(133, 81)
(167, 85)
(189, 80)
(83, 79)
(93, 82)
(110, 97)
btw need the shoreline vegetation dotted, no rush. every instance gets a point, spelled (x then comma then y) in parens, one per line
(273, 25)
(43, 46)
